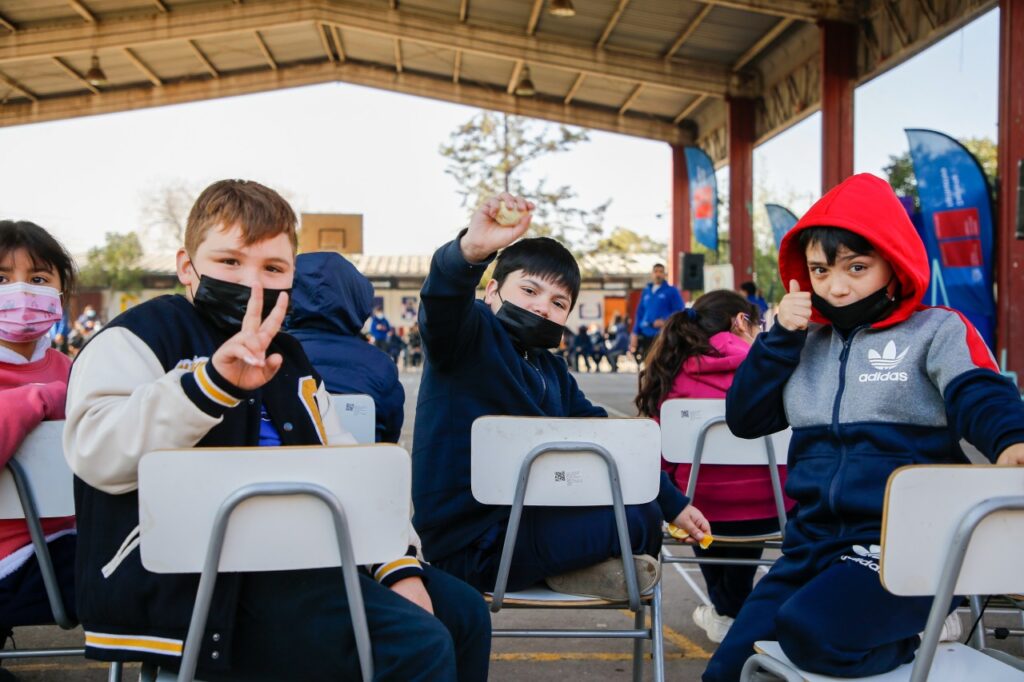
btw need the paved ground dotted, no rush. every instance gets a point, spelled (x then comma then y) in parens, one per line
(687, 649)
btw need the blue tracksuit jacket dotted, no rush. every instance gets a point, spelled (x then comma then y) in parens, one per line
(473, 369)
(656, 305)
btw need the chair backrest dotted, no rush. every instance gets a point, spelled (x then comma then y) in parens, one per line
(681, 422)
(180, 492)
(358, 415)
(42, 457)
(564, 479)
(924, 506)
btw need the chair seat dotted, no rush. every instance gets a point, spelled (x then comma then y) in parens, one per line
(543, 597)
(953, 663)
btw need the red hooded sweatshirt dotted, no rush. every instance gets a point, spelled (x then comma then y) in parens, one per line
(724, 493)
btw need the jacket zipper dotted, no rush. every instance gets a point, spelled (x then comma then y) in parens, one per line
(834, 485)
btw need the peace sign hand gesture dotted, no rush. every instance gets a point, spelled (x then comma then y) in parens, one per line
(242, 360)
(485, 235)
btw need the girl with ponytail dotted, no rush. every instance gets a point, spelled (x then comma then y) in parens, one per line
(695, 356)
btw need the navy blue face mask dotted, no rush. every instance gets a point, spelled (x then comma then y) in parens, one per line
(529, 330)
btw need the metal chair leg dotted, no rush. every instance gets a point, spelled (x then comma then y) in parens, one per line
(978, 639)
(114, 675)
(638, 647)
(657, 636)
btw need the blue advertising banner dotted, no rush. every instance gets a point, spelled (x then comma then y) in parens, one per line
(703, 197)
(781, 219)
(956, 227)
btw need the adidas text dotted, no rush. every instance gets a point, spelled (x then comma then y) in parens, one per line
(868, 377)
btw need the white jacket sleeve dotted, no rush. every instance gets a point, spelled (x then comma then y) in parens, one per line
(121, 404)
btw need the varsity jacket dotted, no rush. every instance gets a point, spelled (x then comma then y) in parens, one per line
(145, 383)
(903, 390)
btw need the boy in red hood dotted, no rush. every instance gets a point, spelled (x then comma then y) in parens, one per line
(869, 379)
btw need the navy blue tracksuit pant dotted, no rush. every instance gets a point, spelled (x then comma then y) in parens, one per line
(824, 603)
(295, 625)
(555, 540)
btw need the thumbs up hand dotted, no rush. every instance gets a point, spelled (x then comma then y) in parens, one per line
(795, 308)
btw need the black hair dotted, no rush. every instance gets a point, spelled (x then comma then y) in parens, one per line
(687, 334)
(541, 257)
(45, 251)
(831, 238)
(657, 265)
(750, 288)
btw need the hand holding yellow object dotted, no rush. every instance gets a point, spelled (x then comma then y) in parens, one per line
(680, 534)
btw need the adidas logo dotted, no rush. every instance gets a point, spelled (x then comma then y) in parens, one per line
(869, 552)
(865, 556)
(888, 359)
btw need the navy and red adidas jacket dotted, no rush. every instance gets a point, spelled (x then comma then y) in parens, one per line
(903, 390)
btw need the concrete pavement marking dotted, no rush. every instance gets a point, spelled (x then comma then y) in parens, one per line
(689, 648)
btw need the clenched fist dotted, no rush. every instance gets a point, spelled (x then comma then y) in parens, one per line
(486, 235)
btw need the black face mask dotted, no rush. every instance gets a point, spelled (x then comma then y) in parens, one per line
(527, 329)
(865, 311)
(223, 304)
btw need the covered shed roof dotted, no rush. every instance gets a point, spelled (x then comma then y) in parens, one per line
(658, 69)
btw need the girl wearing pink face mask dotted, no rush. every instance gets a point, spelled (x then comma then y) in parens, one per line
(695, 356)
(36, 277)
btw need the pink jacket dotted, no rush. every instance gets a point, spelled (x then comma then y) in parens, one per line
(724, 493)
(29, 394)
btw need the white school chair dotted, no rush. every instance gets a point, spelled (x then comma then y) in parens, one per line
(946, 529)
(37, 484)
(358, 414)
(552, 462)
(270, 509)
(693, 431)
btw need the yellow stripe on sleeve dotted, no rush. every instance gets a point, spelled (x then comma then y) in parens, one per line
(211, 390)
(396, 565)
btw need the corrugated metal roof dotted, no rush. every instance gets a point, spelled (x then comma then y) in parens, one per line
(618, 44)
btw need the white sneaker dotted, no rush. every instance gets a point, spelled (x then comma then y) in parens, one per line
(952, 628)
(715, 625)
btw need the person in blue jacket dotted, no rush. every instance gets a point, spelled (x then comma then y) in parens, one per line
(657, 303)
(330, 302)
(379, 328)
(869, 380)
(492, 357)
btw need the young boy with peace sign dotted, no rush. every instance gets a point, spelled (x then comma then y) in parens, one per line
(211, 369)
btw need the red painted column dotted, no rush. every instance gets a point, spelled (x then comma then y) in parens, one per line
(1009, 249)
(679, 240)
(741, 188)
(838, 78)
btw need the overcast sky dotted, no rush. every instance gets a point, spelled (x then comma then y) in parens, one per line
(349, 149)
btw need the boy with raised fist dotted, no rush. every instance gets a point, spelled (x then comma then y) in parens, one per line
(870, 380)
(491, 357)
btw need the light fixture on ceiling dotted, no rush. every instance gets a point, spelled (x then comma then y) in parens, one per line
(95, 75)
(525, 86)
(561, 8)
